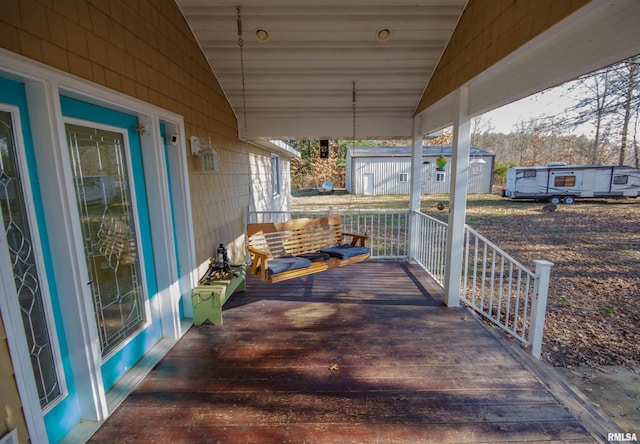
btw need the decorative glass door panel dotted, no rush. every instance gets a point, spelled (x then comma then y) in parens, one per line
(21, 253)
(103, 194)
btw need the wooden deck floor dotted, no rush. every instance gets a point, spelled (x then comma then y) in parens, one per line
(361, 354)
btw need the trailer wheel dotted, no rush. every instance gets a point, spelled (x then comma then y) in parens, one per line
(569, 200)
(554, 200)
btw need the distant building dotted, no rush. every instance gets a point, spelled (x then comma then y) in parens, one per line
(387, 170)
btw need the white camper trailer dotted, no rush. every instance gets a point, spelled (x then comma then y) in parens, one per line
(558, 182)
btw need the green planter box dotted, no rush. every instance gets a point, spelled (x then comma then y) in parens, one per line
(207, 300)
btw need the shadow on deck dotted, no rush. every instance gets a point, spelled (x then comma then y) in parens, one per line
(366, 353)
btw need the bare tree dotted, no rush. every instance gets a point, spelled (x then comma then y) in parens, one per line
(610, 98)
(522, 142)
(480, 126)
(593, 107)
(626, 106)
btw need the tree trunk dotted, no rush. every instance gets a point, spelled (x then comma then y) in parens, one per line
(627, 111)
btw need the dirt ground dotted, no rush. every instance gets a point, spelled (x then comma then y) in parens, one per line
(592, 328)
(614, 389)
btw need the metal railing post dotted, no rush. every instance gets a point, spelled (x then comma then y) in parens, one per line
(412, 249)
(539, 306)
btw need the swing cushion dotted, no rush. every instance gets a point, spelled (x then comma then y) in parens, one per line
(287, 263)
(315, 257)
(345, 251)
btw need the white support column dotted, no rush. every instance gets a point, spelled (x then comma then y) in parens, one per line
(539, 308)
(416, 187)
(167, 300)
(459, 171)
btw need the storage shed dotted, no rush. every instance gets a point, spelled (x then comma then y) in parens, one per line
(387, 170)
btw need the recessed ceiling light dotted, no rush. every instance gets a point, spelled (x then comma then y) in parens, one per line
(383, 35)
(262, 35)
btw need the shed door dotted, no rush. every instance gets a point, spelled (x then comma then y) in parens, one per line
(368, 183)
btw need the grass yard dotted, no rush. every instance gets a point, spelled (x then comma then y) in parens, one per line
(593, 315)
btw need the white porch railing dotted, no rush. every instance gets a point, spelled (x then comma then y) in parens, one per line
(492, 283)
(503, 290)
(387, 229)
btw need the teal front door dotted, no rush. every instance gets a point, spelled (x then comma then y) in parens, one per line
(106, 169)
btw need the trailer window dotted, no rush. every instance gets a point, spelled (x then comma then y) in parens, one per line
(440, 177)
(529, 173)
(565, 181)
(620, 180)
(404, 177)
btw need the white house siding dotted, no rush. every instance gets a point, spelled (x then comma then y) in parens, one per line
(263, 195)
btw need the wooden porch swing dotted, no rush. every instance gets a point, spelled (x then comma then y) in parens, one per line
(286, 250)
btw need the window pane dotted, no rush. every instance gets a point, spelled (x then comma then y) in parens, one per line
(564, 181)
(103, 194)
(620, 180)
(19, 242)
(275, 174)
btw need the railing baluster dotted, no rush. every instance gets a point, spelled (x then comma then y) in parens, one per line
(493, 279)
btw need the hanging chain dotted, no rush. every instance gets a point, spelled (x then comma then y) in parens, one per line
(244, 91)
(353, 108)
(353, 140)
(244, 116)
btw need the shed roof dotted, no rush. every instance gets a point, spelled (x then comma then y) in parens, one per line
(405, 151)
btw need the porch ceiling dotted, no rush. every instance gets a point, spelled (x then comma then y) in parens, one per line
(300, 82)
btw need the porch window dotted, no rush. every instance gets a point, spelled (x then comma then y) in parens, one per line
(275, 175)
(565, 181)
(404, 177)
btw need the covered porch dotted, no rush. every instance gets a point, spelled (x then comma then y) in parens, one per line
(366, 353)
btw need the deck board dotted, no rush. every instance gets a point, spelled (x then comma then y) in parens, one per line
(363, 354)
